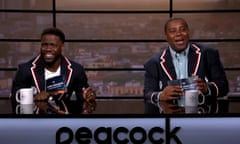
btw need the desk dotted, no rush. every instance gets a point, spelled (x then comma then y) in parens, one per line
(223, 105)
(221, 127)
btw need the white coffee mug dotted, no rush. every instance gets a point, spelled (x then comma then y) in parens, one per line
(25, 96)
(192, 98)
(25, 108)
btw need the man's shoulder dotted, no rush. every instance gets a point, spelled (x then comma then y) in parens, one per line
(73, 63)
(203, 48)
(28, 63)
(157, 56)
(155, 59)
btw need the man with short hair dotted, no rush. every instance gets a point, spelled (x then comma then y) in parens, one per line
(180, 60)
(51, 63)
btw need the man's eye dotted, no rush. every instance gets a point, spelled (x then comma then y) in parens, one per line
(182, 29)
(52, 45)
(172, 31)
(44, 44)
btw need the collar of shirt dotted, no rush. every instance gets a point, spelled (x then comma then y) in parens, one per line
(174, 53)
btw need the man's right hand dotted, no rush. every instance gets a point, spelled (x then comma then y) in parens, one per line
(171, 93)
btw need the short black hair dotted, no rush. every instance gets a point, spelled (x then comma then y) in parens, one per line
(54, 31)
(174, 18)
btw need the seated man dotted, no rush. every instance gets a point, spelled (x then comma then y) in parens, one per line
(51, 63)
(180, 60)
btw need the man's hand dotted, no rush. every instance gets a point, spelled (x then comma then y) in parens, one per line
(89, 107)
(88, 94)
(43, 95)
(202, 86)
(171, 93)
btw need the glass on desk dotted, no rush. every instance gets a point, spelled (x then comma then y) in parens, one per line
(188, 84)
(181, 100)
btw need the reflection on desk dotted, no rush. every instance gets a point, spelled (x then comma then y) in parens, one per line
(135, 106)
(211, 106)
(102, 106)
(55, 107)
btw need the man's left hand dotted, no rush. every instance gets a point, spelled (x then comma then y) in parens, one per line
(88, 94)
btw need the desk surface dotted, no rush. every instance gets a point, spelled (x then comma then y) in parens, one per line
(216, 129)
(138, 106)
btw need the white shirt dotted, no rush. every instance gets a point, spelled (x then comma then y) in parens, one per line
(49, 74)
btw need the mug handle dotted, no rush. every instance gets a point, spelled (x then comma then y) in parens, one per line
(203, 100)
(18, 96)
(34, 90)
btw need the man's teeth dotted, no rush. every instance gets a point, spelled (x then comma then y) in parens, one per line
(48, 55)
